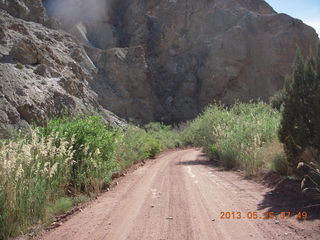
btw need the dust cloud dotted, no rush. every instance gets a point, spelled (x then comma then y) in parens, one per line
(70, 12)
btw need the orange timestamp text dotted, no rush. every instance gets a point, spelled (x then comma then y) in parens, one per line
(264, 215)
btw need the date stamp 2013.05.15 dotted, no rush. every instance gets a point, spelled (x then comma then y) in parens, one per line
(303, 215)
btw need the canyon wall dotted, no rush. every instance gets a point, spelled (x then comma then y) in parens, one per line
(155, 60)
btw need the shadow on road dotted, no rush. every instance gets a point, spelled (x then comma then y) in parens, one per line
(196, 162)
(285, 196)
(202, 159)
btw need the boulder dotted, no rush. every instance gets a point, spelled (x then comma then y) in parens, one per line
(26, 51)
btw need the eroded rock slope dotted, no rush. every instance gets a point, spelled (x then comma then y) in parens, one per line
(43, 73)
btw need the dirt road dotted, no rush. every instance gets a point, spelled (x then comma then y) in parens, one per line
(179, 196)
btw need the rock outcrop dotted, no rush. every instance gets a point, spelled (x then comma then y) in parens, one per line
(123, 83)
(148, 60)
(29, 10)
(201, 51)
(43, 73)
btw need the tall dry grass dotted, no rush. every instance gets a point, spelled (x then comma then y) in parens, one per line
(34, 171)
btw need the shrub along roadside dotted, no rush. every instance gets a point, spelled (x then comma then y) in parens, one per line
(238, 137)
(299, 129)
(136, 145)
(166, 135)
(70, 156)
(93, 144)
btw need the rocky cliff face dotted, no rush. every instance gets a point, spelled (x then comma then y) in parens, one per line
(43, 73)
(29, 10)
(201, 51)
(155, 60)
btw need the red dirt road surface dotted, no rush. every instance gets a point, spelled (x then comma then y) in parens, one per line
(180, 196)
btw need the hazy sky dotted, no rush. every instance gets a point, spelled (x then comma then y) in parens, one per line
(306, 10)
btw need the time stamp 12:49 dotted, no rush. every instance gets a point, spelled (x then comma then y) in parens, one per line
(265, 215)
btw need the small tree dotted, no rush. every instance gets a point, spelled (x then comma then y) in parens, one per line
(300, 122)
(316, 104)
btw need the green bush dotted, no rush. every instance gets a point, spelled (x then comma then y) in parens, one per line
(168, 137)
(62, 206)
(236, 135)
(136, 145)
(20, 66)
(93, 144)
(154, 147)
(80, 199)
(299, 129)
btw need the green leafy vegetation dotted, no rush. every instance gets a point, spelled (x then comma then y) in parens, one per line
(166, 135)
(79, 199)
(238, 136)
(141, 143)
(136, 145)
(69, 157)
(300, 125)
(93, 145)
(62, 206)
(20, 66)
(299, 130)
